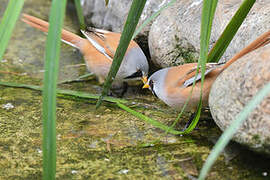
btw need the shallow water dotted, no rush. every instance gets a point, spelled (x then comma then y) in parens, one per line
(107, 143)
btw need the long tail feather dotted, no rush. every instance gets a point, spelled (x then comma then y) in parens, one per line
(261, 41)
(67, 37)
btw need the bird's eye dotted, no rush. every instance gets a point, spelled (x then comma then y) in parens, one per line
(135, 75)
(151, 84)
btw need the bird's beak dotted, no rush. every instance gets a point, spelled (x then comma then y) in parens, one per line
(144, 79)
(145, 86)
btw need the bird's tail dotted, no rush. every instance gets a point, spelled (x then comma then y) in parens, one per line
(261, 41)
(67, 37)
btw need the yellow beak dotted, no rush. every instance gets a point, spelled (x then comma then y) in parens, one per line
(145, 86)
(144, 79)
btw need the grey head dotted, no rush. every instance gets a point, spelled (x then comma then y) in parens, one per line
(134, 65)
(156, 83)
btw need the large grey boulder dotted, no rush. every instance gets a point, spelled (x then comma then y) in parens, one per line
(174, 37)
(234, 88)
(114, 15)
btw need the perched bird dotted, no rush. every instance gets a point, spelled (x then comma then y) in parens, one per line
(98, 49)
(173, 85)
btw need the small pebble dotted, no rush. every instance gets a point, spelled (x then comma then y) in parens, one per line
(264, 173)
(123, 171)
(74, 172)
(93, 144)
(171, 140)
(7, 106)
(58, 136)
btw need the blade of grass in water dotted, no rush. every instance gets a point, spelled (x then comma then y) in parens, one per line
(235, 125)
(80, 13)
(49, 91)
(65, 92)
(129, 28)
(220, 47)
(226, 37)
(8, 23)
(208, 12)
(150, 121)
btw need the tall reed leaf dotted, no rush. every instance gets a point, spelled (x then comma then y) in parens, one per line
(80, 14)
(129, 28)
(49, 92)
(226, 37)
(155, 123)
(235, 125)
(208, 12)
(224, 40)
(8, 22)
(65, 92)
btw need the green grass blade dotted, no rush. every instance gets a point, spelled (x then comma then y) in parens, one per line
(150, 121)
(49, 90)
(129, 28)
(226, 37)
(65, 92)
(80, 14)
(208, 12)
(195, 119)
(8, 23)
(228, 133)
(153, 16)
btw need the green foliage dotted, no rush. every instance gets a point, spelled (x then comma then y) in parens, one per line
(106, 2)
(80, 14)
(8, 23)
(208, 12)
(230, 30)
(65, 92)
(150, 121)
(49, 92)
(129, 28)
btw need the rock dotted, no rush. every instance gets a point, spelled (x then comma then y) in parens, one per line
(114, 15)
(174, 36)
(234, 88)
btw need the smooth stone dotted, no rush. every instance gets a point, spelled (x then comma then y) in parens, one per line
(113, 16)
(174, 36)
(232, 91)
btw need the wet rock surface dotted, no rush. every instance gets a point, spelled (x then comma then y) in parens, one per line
(113, 16)
(234, 88)
(107, 143)
(174, 37)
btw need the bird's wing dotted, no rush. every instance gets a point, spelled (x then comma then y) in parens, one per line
(105, 42)
(98, 39)
(209, 68)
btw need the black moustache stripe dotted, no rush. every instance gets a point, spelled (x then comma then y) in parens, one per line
(135, 75)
